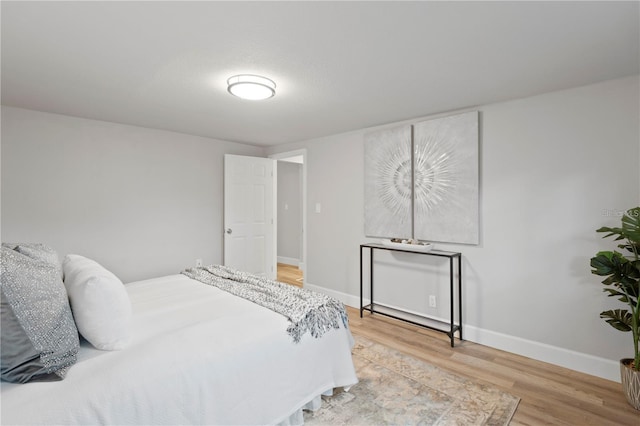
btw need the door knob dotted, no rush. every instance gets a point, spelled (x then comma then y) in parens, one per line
(229, 231)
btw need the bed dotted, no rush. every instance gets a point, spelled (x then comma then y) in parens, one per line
(197, 355)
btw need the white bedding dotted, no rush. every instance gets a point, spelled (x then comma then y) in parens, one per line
(198, 356)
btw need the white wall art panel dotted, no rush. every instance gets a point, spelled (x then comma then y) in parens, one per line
(388, 183)
(446, 179)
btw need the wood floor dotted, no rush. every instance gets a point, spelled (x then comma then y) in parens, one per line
(549, 394)
(289, 274)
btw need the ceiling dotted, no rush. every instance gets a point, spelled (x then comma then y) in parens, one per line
(338, 66)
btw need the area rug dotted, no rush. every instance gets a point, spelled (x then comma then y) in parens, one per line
(397, 389)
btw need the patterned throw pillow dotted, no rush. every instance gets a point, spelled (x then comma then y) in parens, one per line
(42, 252)
(39, 338)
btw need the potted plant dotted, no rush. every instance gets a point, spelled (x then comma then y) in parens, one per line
(622, 272)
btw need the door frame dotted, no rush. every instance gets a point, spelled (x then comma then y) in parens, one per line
(281, 156)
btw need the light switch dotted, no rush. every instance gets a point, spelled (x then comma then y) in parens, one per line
(318, 208)
(286, 206)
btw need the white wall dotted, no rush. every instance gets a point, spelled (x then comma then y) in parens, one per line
(147, 202)
(289, 212)
(550, 166)
(142, 202)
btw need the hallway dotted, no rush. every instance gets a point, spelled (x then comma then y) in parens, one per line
(289, 274)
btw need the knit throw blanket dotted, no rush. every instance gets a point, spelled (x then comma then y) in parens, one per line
(307, 311)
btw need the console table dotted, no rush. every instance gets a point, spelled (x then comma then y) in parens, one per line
(449, 328)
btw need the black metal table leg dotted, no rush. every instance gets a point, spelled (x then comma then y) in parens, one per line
(361, 302)
(451, 298)
(460, 295)
(371, 279)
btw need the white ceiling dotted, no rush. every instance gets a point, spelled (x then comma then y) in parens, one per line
(339, 66)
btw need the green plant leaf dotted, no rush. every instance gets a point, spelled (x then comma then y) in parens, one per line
(631, 225)
(613, 293)
(619, 232)
(607, 263)
(620, 319)
(630, 247)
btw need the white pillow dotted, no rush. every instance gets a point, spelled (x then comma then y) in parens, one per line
(99, 302)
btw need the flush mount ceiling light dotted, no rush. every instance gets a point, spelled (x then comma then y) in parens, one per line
(252, 87)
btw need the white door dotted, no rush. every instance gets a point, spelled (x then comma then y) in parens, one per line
(249, 215)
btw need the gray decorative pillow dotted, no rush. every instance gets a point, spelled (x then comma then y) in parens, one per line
(39, 339)
(37, 251)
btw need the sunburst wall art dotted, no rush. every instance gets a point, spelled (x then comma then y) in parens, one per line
(446, 179)
(421, 181)
(388, 188)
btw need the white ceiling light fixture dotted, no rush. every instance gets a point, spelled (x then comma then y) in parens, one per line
(252, 87)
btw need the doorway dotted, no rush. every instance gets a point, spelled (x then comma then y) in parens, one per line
(291, 196)
(290, 274)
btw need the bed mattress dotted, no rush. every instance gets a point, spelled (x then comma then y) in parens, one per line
(198, 355)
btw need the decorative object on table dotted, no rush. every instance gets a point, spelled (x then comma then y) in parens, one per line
(388, 183)
(408, 244)
(622, 272)
(422, 180)
(446, 179)
(395, 388)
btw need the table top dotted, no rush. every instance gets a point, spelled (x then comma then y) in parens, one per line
(432, 252)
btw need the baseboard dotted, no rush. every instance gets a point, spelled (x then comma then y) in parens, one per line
(573, 360)
(347, 299)
(578, 361)
(289, 261)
